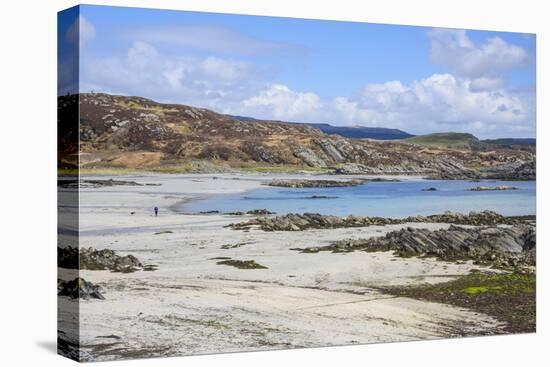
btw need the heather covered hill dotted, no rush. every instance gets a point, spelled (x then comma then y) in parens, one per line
(137, 133)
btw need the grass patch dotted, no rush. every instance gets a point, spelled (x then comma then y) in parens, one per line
(509, 297)
(477, 290)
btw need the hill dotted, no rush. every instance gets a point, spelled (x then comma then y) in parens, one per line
(354, 132)
(446, 140)
(119, 132)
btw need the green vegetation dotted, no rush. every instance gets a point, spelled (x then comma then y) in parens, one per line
(509, 297)
(477, 290)
(444, 140)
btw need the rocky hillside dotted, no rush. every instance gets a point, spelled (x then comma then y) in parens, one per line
(137, 133)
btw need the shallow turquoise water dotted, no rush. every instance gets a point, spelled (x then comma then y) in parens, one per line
(388, 199)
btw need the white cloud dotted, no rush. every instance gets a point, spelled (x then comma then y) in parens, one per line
(227, 70)
(441, 102)
(146, 71)
(484, 83)
(279, 102)
(454, 49)
(81, 30)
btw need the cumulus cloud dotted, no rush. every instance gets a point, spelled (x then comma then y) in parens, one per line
(279, 102)
(484, 83)
(222, 69)
(144, 70)
(440, 102)
(453, 48)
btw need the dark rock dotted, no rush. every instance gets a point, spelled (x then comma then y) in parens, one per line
(242, 264)
(91, 259)
(508, 247)
(492, 188)
(162, 232)
(430, 189)
(314, 183)
(300, 222)
(73, 183)
(150, 267)
(259, 212)
(79, 288)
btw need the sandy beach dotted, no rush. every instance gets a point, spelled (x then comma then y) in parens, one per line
(192, 305)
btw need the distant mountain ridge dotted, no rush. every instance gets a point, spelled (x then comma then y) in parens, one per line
(512, 141)
(353, 132)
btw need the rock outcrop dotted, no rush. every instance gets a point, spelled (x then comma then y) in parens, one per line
(92, 259)
(79, 288)
(495, 188)
(502, 247)
(315, 183)
(259, 212)
(301, 222)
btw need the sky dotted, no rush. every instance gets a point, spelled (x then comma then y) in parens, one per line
(418, 79)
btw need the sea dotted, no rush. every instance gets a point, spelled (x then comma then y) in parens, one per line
(386, 199)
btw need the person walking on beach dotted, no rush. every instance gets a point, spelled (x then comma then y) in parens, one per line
(156, 210)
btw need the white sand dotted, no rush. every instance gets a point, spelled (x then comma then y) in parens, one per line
(193, 305)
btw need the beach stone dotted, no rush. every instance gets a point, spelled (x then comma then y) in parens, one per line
(79, 288)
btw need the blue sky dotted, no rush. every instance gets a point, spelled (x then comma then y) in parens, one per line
(417, 79)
